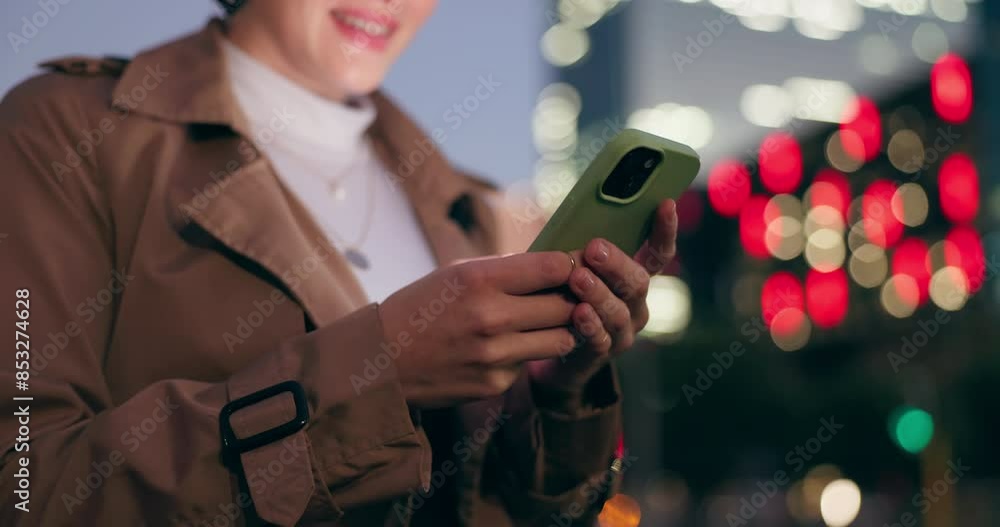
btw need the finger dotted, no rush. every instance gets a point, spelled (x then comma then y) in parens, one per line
(528, 272)
(539, 311)
(661, 246)
(640, 314)
(590, 327)
(613, 312)
(521, 313)
(515, 348)
(478, 383)
(457, 261)
(623, 275)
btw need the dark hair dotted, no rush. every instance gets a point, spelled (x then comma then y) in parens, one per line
(231, 5)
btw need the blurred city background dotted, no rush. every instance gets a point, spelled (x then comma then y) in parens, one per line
(823, 351)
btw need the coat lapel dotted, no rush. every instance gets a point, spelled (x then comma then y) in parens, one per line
(264, 228)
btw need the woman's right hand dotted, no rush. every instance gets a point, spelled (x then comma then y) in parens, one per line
(464, 330)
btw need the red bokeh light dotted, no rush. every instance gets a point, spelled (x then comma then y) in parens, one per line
(951, 88)
(781, 291)
(788, 322)
(911, 259)
(958, 186)
(826, 297)
(831, 189)
(907, 290)
(753, 227)
(964, 249)
(882, 227)
(863, 125)
(728, 187)
(780, 163)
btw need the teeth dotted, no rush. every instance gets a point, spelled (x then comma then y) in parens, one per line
(372, 28)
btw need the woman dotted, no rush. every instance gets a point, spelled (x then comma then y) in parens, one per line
(242, 302)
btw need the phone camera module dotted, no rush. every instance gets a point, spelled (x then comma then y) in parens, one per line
(632, 172)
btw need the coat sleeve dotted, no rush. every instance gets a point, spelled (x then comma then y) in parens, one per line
(154, 457)
(553, 460)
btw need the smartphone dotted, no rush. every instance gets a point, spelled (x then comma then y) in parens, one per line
(618, 193)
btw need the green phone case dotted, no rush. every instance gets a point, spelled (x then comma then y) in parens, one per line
(587, 213)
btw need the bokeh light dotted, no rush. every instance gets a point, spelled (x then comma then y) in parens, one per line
(784, 238)
(868, 265)
(830, 189)
(837, 154)
(780, 163)
(911, 259)
(958, 183)
(827, 297)
(949, 288)
(823, 217)
(909, 204)
(965, 251)
(911, 428)
(753, 227)
(900, 295)
(782, 290)
(565, 45)
(728, 187)
(790, 329)
(929, 42)
(669, 303)
(817, 478)
(906, 151)
(691, 125)
(881, 226)
(825, 250)
(951, 89)
(840, 503)
(864, 121)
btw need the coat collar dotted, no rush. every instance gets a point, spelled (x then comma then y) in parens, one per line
(196, 87)
(249, 211)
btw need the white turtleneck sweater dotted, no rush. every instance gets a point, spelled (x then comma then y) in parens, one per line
(323, 142)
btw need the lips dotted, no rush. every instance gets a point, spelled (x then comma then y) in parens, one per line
(365, 29)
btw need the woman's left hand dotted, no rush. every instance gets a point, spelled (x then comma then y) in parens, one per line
(611, 287)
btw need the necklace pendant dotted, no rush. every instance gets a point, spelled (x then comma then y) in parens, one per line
(357, 258)
(337, 191)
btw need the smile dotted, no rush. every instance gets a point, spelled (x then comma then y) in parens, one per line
(365, 28)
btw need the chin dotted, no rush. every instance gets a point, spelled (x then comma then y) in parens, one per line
(360, 84)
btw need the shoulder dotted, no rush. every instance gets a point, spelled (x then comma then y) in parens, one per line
(70, 90)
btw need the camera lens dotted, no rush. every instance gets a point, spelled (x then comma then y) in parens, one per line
(631, 173)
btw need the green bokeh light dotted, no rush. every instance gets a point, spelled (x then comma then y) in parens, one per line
(911, 428)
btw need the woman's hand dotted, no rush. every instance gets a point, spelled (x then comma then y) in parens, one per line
(464, 331)
(611, 287)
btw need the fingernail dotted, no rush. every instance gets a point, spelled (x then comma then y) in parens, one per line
(600, 252)
(588, 322)
(585, 281)
(671, 205)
